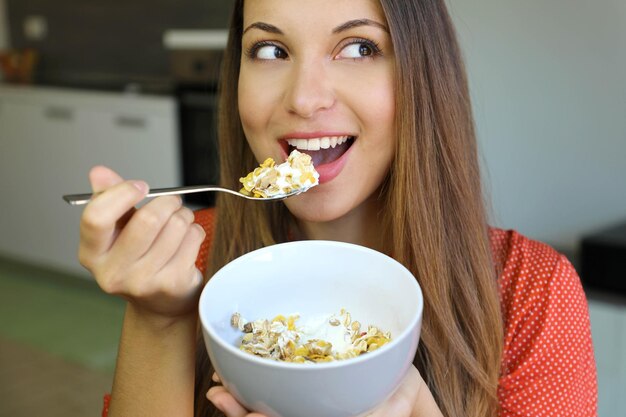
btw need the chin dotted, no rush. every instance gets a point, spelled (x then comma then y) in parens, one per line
(315, 208)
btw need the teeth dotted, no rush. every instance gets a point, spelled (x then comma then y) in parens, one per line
(313, 145)
(302, 144)
(316, 144)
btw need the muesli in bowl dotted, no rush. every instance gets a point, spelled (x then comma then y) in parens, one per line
(319, 339)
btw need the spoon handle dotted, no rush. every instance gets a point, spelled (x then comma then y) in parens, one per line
(80, 199)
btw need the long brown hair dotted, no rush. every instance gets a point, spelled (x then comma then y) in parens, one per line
(435, 213)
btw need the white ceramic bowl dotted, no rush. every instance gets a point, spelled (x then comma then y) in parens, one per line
(312, 278)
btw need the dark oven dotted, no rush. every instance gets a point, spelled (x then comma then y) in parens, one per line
(196, 74)
(198, 133)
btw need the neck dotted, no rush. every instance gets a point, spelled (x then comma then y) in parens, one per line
(361, 226)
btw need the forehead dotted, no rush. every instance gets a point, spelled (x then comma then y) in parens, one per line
(310, 14)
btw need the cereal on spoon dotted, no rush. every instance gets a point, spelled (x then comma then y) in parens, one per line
(270, 180)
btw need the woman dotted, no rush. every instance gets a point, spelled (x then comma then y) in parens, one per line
(505, 330)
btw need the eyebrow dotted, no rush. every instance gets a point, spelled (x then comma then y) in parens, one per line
(358, 23)
(266, 27)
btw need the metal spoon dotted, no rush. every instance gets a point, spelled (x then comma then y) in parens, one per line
(80, 199)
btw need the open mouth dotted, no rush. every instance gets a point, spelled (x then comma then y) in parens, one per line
(324, 150)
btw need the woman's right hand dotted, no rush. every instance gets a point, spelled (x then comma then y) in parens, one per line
(145, 255)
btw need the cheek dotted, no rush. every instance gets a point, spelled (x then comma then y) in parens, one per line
(259, 92)
(378, 124)
(381, 114)
(256, 107)
(381, 117)
(250, 103)
(371, 97)
(375, 106)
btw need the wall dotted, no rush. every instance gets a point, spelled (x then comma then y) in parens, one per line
(4, 27)
(548, 81)
(129, 32)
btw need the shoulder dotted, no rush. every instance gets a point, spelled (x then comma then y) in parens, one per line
(531, 275)
(205, 218)
(512, 250)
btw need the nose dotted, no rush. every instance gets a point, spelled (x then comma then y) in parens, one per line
(310, 90)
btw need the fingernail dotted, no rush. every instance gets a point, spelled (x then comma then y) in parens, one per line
(209, 394)
(141, 186)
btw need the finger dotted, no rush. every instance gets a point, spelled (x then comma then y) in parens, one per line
(216, 378)
(187, 253)
(223, 400)
(187, 286)
(168, 241)
(144, 226)
(100, 217)
(102, 178)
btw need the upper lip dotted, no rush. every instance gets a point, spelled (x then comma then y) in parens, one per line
(313, 135)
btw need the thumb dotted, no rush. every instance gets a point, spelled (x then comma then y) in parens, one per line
(101, 178)
(402, 402)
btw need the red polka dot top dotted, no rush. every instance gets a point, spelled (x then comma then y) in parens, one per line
(548, 366)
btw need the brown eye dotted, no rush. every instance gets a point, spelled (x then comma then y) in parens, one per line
(280, 54)
(360, 49)
(269, 52)
(365, 50)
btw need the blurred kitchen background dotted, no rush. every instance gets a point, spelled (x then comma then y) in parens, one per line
(132, 85)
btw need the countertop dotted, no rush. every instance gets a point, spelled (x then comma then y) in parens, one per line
(140, 85)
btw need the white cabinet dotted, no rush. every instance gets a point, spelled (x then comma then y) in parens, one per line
(50, 138)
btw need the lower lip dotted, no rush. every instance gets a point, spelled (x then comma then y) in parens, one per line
(329, 171)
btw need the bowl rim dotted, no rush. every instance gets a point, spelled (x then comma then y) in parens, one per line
(206, 324)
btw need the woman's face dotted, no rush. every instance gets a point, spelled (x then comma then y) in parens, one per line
(318, 75)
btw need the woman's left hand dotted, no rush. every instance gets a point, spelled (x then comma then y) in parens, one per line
(226, 403)
(401, 404)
